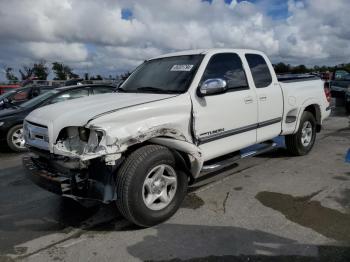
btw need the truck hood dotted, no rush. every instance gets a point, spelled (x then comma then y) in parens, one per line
(124, 119)
(80, 111)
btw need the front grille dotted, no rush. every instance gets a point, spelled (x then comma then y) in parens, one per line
(36, 135)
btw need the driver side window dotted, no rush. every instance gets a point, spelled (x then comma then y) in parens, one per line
(227, 66)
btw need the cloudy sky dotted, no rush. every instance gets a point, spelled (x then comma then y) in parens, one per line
(110, 36)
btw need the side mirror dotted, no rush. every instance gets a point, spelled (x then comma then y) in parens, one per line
(212, 87)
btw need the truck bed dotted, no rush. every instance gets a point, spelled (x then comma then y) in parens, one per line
(294, 93)
(296, 78)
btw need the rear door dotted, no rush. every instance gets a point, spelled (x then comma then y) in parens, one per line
(225, 122)
(270, 97)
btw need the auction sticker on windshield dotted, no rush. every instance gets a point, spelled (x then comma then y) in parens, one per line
(181, 68)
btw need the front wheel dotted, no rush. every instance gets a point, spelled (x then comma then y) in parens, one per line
(15, 139)
(301, 143)
(150, 188)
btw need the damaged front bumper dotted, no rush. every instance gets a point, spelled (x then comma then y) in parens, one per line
(79, 185)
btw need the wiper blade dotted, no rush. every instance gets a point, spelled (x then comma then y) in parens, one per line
(156, 90)
(149, 88)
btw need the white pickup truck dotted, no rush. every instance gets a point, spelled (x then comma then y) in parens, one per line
(177, 117)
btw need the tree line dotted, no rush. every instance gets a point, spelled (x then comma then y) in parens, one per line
(40, 70)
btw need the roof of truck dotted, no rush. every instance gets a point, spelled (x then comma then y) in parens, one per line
(206, 51)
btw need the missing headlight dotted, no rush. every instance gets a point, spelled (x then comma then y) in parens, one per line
(84, 134)
(99, 135)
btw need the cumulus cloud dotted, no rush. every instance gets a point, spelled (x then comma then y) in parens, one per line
(92, 35)
(58, 51)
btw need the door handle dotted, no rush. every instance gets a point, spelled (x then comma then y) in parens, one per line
(262, 98)
(248, 100)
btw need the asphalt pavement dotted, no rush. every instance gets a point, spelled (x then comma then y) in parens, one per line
(273, 207)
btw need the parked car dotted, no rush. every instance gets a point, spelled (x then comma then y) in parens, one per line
(6, 88)
(340, 83)
(21, 95)
(11, 120)
(340, 86)
(176, 118)
(12, 85)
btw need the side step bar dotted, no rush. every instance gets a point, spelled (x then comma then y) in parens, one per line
(265, 147)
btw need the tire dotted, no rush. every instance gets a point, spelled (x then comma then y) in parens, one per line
(15, 140)
(295, 144)
(134, 192)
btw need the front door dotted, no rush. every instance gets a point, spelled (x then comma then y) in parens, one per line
(225, 122)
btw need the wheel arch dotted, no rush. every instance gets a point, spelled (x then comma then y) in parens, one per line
(315, 110)
(16, 123)
(188, 155)
(313, 107)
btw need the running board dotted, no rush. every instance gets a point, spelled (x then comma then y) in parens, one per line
(266, 147)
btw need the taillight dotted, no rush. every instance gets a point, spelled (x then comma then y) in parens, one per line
(327, 91)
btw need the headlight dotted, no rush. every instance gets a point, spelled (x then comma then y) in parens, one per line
(2, 123)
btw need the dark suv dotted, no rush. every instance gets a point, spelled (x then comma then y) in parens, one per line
(20, 95)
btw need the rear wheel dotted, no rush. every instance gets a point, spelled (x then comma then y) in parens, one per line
(150, 188)
(15, 139)
(301, 143)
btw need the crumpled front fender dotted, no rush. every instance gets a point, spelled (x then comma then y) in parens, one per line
(194, 153)
(129, 126)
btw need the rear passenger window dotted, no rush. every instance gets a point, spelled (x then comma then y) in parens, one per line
(229, 67)
(260, 71)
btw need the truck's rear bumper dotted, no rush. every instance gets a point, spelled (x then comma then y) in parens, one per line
(76, 186)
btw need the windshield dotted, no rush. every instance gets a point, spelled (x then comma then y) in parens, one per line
(339, 74)
(7, 94)
(39, 99)
(164, 75)
(12, 93)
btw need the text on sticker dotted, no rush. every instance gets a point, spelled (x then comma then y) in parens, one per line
(181, 68)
